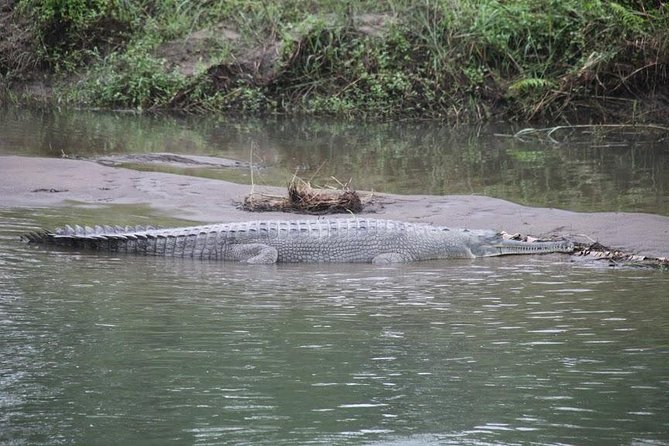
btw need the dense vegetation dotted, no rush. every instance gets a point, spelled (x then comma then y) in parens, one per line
(460, 60)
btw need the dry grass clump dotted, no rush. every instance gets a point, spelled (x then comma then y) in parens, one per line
(305, 199)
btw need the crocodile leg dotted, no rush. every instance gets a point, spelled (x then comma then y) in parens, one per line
(254, 253)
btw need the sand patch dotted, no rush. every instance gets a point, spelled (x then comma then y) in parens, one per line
(46, 182)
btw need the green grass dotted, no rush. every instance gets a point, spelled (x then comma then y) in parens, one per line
(464, 60)
(131, 79)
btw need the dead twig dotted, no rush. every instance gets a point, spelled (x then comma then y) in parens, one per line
(548, 132)
(303, 198)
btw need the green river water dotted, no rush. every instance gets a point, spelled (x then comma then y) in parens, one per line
(611, 169)
(100, 349)
(107, 350)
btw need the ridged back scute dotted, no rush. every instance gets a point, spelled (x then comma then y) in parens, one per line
(319, 228)
(275, 228)
(87, 231)
(214, 241)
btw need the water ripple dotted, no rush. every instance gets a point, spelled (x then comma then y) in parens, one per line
(102, 348)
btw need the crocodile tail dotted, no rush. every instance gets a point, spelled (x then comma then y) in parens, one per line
(40, 236)
(98, 237)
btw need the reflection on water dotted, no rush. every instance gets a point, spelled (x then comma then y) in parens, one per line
(101, 349)
(612, 170)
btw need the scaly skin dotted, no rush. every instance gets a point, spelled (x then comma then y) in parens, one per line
(359, 240)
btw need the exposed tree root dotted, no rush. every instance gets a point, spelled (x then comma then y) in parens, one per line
(614, 257)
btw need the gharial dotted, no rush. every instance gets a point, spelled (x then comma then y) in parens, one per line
(326, 240)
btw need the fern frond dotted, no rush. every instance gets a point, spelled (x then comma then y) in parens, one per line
(531, 85)
(629, 18)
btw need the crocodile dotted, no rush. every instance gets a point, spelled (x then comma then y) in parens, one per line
(355, 240)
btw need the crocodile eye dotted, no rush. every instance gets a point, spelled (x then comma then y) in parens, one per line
(445, 229)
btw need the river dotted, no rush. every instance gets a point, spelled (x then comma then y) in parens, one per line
(102, 349)
(610, 169)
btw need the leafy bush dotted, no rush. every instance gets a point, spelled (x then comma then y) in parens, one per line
(133, 79)
(437, 58)
(69, 30)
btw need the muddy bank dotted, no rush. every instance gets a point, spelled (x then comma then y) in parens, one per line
(46, 182)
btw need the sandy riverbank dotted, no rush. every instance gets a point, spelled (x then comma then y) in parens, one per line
(46, 182)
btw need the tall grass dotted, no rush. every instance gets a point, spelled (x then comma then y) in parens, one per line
(468, 59)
